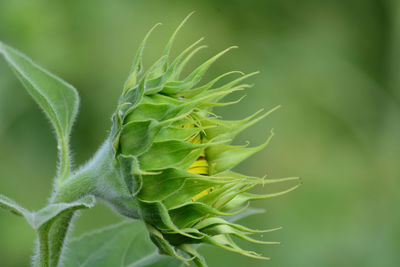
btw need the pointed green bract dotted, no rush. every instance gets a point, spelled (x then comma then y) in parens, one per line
(232, 157)
(137, 65)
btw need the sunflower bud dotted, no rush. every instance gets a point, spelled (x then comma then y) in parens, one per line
(175, 156)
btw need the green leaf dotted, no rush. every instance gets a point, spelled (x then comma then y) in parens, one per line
(46, 215)
(11, 206)
(53, 211)
(123, 244)
(58, 99)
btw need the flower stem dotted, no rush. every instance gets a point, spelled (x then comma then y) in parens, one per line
(44, 248)
(88, 180)
(80, 184)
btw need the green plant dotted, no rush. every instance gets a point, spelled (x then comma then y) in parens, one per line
(167, 162)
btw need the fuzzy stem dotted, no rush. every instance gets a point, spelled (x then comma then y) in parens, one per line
(58, 237)
(44, 248)
(91, 179)
(80, 184)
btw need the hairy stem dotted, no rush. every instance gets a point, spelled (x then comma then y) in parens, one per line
(58, 236)
(44, 248)
(91, 179)
(78, 185)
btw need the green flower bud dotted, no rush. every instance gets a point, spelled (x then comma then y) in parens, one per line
(174, 157)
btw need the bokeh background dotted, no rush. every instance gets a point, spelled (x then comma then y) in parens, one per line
(332, 65)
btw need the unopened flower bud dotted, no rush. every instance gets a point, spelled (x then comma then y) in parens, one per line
(176, 158)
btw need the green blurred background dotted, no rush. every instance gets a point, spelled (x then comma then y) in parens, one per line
(333, 65)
